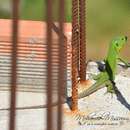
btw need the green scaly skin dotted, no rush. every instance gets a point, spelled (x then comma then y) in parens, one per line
(108, 76)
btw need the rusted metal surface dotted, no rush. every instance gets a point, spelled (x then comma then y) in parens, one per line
(78, 48)
(62, 82)
(49, 16)
(75, 54)
(82, 19)
(33, 67)
(43, 59)
(13, 84)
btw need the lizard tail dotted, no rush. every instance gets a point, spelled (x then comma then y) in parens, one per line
(96, 86)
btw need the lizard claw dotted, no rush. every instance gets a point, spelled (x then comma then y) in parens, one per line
(109, 93)
(112, 91)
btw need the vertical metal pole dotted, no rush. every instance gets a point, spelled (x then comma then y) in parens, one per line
(75, 54)
(15, 15)
(82, 19)
(49, 65)
(61, 73)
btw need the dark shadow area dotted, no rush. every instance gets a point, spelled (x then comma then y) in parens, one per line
(69, 101)
(120, 97)
(101, 65)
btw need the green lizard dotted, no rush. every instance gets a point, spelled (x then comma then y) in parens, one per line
(107, 77)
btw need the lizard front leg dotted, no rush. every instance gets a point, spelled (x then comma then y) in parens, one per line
(124, 61)
(110, 88)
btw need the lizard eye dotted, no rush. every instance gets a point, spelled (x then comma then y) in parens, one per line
(116, 43)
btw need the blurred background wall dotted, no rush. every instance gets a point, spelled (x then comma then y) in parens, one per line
(105, 20)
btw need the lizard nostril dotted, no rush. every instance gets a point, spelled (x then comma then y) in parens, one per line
(126, 38)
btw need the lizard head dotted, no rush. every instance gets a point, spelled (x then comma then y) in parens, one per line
(119, 42)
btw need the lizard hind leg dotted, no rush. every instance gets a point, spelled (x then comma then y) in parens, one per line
(96, 77)
(110, 88)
